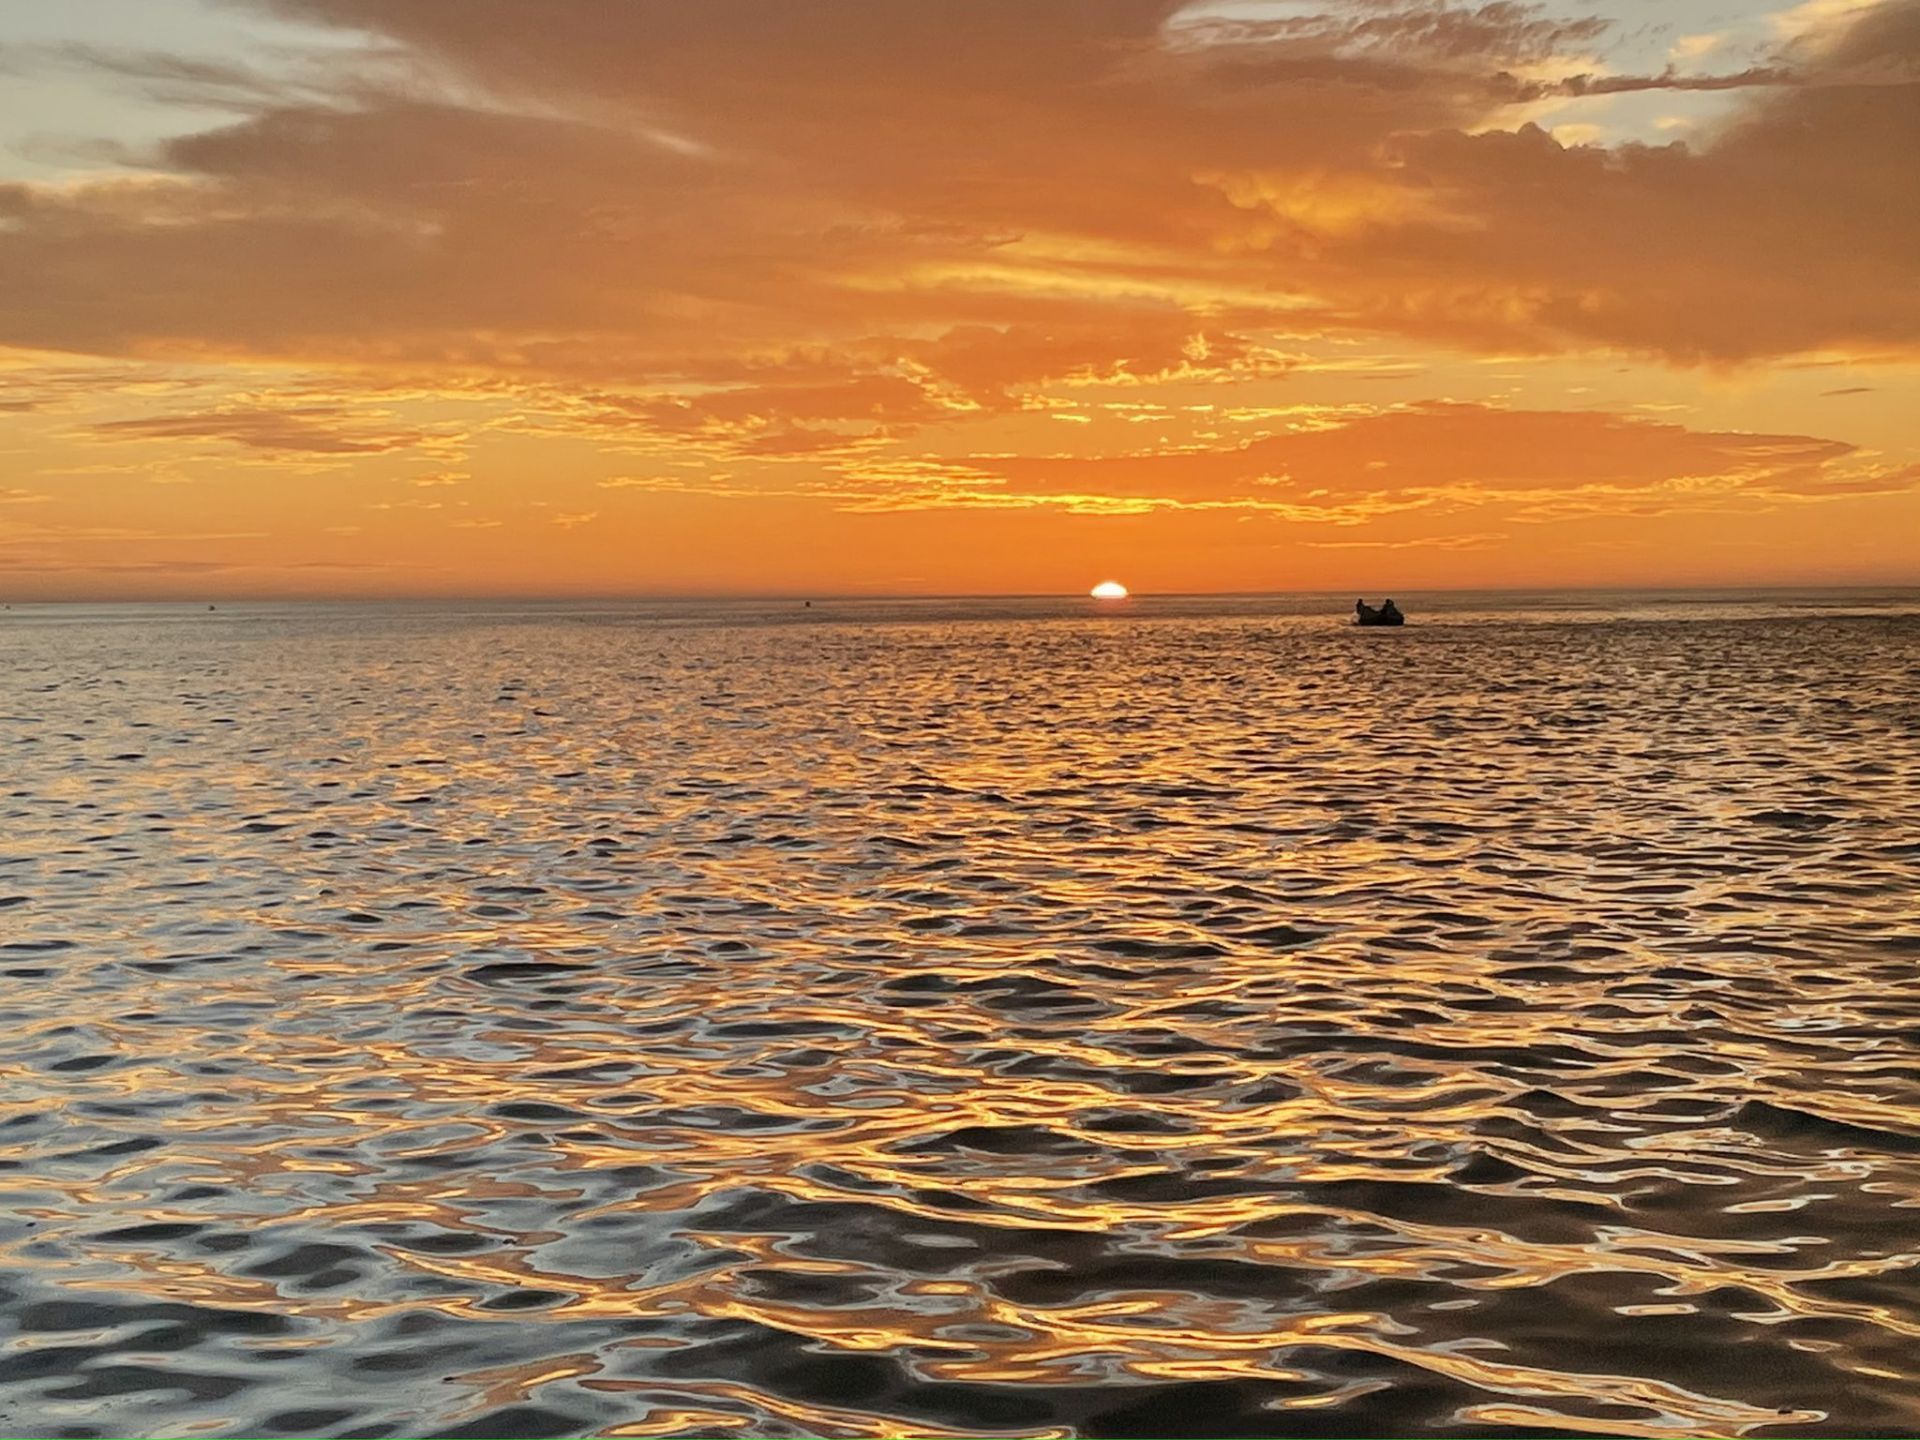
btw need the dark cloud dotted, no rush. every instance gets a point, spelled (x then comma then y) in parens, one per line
(301, 430)
(1576, 86)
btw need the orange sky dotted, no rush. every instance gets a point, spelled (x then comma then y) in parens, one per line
(383, 297)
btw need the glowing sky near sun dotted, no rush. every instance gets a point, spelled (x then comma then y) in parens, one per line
(478, 296)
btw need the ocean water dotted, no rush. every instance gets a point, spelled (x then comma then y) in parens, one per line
(1189, 1017)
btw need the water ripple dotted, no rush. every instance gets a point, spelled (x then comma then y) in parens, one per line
(544, 1025)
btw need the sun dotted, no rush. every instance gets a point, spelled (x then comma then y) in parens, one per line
(1109, 590)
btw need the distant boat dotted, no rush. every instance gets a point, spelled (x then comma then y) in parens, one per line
(1387, 614)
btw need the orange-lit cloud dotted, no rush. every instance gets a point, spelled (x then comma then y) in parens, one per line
(306, 429)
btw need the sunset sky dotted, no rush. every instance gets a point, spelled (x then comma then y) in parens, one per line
(394, 297)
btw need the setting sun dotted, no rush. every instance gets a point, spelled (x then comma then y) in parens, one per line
(1109, 590)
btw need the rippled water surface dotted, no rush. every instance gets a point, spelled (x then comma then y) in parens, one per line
(1196, 1019)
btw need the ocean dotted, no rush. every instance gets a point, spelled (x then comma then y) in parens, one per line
(1180, 1017)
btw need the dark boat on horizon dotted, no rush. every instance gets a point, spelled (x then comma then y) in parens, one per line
(1387, 614)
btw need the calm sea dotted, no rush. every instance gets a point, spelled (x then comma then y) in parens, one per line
(1187, 1017)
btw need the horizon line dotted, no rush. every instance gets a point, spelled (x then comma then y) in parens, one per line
(843, 597)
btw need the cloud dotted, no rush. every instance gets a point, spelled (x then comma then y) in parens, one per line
(305, 430)
(1788, 233)
(1451, 455)
(1346, 469)
(288, 431)
(778, 232)
(15, 533)
(1472, 540)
